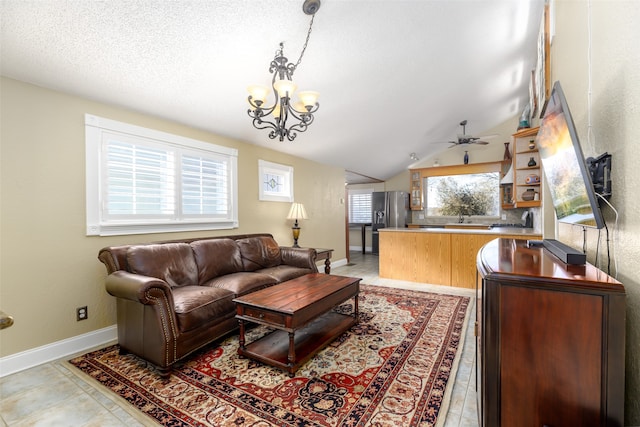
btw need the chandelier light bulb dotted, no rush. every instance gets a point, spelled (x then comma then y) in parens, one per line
(276, 111)
(285, 88)
(308, 98)
(258, 94)
(299, 107)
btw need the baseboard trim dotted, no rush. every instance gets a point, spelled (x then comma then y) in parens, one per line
(57, 350)
(336, 263)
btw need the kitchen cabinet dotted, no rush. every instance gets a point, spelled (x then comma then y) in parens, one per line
(527, 172)
(506, 190)
(438, 256)
(550, 340)
(416, 189)
(415, 256)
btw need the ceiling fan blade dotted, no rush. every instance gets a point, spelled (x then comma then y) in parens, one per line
(480, 142)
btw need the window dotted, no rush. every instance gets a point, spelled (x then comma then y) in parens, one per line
(463, 195)
(276, 182)
(360, 205)
(455, 191)
(145, 181)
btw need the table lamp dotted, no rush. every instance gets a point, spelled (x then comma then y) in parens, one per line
(296, 212)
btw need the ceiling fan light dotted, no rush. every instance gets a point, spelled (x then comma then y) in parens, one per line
(308, 98)
(285, 88)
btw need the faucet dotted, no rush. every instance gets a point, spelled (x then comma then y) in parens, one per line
(461, 219)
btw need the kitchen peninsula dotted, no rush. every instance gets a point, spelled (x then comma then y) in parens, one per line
(442, 256)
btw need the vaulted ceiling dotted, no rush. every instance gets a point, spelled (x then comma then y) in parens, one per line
(394, 77)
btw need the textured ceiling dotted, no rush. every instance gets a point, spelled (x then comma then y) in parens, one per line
(394, 77)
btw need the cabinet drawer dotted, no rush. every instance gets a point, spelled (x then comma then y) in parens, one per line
(263, 316)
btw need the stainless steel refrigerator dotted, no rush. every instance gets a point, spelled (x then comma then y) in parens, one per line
(388, 209)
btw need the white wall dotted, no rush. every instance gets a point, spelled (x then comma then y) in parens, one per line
(48, 267)
(596, 58)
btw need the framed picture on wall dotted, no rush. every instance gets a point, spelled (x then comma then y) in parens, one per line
(275, 182)
(533, 94)
(543, 66)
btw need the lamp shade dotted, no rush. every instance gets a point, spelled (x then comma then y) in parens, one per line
(508, 177)
(285, 88)
(258, 93)
(308, 98)
(297, 212)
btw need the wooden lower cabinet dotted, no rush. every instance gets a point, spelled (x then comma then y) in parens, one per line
(447, 259)
(551, 340)
(464, 249)
(415, 257)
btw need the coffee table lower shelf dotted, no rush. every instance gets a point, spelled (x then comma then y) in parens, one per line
(290, 350)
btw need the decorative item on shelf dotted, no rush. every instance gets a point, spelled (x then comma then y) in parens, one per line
(296, 212)
(532, 162)
(283, 88)
(507, 154)
(532, 144)
(524, 118)
(532, 179)
(466, 157)
(529, 195)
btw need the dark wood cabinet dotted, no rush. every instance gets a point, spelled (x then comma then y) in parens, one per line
(550, 340)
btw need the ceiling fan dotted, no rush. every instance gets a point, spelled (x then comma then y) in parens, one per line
(469, 139)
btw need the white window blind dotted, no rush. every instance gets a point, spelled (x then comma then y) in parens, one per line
(144, 181)
(360, 205)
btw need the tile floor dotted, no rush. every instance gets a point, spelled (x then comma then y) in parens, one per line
(55, 394)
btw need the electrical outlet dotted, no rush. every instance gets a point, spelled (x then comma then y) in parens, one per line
(82, 313)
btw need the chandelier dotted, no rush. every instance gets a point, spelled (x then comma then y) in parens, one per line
(276, 117)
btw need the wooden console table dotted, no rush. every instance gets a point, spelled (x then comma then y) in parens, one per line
(550, 340)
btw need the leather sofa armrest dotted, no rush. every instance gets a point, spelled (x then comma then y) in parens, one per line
(299, 257)
(139, 288)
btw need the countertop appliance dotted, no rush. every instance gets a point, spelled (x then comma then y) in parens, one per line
(388, 209)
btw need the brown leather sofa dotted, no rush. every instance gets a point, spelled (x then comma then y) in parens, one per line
(175, 297)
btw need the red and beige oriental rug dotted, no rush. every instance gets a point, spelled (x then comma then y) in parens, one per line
(395, 368)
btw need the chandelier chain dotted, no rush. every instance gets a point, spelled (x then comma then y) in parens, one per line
(304, 47)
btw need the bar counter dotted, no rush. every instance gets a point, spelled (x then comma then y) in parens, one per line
(442, 256)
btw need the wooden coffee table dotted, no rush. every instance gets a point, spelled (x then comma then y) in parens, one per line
(301, 311)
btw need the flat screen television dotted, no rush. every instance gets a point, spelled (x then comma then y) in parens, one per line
(568, 177)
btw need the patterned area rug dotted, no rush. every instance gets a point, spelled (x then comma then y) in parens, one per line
(395, 368)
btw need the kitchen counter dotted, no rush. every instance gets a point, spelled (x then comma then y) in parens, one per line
(441, 256)
(468, 229)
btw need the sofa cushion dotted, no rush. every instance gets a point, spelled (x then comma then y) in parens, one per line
(216, 257)
(282, 273)
(259, 252)
(198, 305)
(242, 283)
(172, 262)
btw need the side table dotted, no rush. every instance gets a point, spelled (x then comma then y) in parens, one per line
(326, 255)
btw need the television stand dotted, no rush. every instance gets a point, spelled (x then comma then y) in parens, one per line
(550, 340)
